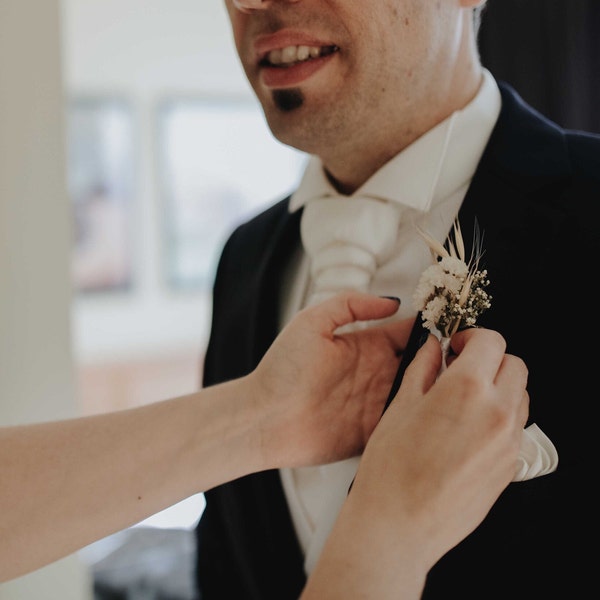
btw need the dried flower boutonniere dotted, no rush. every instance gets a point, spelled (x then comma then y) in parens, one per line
(451, 295)
(451, 292)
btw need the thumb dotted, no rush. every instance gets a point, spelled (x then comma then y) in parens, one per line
(423, 370)
(348, 307)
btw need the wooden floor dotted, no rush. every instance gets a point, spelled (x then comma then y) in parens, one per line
(120, 385)
(143, 562)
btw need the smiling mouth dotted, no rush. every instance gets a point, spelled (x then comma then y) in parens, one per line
(293, 55)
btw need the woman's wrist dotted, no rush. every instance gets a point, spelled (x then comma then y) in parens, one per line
(369, 556)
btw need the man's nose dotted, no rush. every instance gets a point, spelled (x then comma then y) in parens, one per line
(250, 5)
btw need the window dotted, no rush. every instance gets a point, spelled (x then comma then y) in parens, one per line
(101, 186)
(218, 164)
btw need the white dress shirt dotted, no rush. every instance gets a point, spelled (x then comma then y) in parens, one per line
(429, 180)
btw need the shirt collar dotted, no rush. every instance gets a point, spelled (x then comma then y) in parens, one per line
(434, 166)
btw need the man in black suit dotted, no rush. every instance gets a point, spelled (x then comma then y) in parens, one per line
(390, 100)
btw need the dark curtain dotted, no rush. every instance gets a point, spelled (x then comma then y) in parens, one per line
(549, 51)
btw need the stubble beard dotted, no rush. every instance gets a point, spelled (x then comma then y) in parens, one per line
(312, 132)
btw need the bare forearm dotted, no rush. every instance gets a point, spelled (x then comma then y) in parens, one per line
(68, 483)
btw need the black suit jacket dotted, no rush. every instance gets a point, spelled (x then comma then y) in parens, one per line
(536, 197)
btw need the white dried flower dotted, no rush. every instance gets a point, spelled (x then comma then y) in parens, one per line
(450, 293)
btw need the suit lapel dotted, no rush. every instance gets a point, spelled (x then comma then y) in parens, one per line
(524, 163)
(265, 323)
(280, 560)
(525, 156)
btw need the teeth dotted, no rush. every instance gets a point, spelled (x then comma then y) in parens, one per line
(303, 52)
(289, 54)
(293, 54)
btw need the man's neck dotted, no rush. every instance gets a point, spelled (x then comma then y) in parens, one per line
(350, 165)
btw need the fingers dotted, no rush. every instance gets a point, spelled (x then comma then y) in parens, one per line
(512, 373)
(483, 353)
(512, 379)
(423, 370)
(524, 409)
(348, 307)
(480, 351)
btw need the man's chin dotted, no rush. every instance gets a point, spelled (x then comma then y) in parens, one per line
(287, 100)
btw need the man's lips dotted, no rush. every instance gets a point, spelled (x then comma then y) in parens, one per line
(289, 57)
(286, 76)
(263, 44)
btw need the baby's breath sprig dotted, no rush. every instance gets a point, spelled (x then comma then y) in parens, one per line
(450, 293)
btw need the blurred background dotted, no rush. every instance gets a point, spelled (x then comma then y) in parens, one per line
(130, 145)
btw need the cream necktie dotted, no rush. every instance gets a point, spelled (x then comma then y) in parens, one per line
(346, 238)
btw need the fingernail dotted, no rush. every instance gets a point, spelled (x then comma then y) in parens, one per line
(392, 298)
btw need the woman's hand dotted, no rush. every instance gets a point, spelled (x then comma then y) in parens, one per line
(441, 455)
(322, 393)
(447, 446)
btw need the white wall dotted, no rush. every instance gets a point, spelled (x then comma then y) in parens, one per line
(36, 372)
(144, 50)
(148, 47)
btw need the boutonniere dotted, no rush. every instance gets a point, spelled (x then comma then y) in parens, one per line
(451, 295)
(451, 292)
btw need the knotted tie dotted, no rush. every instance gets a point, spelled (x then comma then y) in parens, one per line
(346, 239)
